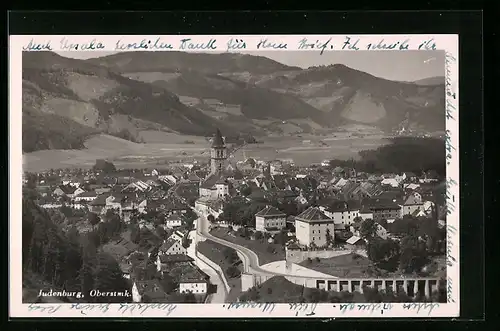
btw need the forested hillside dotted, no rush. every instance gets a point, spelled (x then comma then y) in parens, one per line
(66, 259)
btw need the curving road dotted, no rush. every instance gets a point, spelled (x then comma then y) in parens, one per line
(215, 278)
(250, 259)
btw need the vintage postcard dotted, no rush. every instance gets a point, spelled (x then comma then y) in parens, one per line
(234, 176)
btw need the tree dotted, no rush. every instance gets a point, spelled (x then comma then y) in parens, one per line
(73, 235)
(230, 255)
(93, 219)
(86, 276)
(281, 237)
(233, 272)
(188, 219)
(329, 238)
(104, 166)
(246, 190)
(135, 234)
(211, 218)
(372, 294)
(346, 296)
(243, 232)
(186, 241)
(251, 295)
(160, 231)
(413, 254)
(108, 278)
(368, 229)
(384, 253)
(258, 235)
(168, 284)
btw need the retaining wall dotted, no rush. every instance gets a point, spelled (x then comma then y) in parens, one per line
(214, 266)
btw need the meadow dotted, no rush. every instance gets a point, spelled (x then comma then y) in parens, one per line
(162, 147)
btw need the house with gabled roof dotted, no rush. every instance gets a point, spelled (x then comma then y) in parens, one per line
(171, 246)
(412, 204)
(68, 191)
(210, 206)
(383, 208)
(343, 212)
(174, 220)
(86, 196)
(270, 219)
(190, 279)
(148, 291)
(313, 227)
(215, 186)
(98, 205)
(164, 262)
(49, 202)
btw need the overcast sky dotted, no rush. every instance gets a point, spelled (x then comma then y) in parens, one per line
(393, 65)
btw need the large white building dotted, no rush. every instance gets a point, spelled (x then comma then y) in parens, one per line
(270, 219)
(343, 213)
(312, 227)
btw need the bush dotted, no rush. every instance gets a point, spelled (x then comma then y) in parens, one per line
(233, 272)
(317, 259)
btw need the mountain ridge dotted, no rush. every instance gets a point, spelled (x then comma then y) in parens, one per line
(195, 93)
(92, 96)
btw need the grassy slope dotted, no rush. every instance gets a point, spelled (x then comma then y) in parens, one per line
(47, 131)
(352, 89)
(215, 252)
(47, 77)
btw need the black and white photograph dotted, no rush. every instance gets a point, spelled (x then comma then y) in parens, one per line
(227, 178)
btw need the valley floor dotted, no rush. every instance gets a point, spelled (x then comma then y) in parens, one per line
(126, 154)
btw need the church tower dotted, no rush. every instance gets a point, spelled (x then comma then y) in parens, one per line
(218, 153)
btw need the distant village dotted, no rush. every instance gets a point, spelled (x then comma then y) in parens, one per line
(317, 207)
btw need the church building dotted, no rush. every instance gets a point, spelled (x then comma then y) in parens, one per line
(216, 186)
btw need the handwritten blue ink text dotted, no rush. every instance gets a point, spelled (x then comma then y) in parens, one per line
(320, 45)
(35, 46)
(190, 45)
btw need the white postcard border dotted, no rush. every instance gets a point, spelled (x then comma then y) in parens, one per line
(317, 43)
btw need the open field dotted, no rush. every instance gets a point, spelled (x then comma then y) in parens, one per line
(349, 265)
(257, 246)
(162, 147)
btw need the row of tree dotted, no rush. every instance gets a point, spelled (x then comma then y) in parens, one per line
(370, 295)
(69, 260)
(405, 154)
(421, 240)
